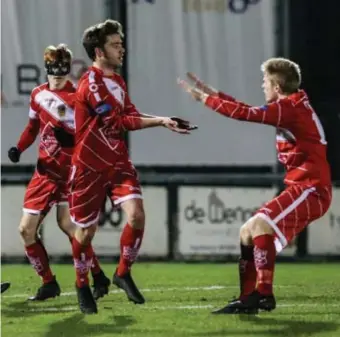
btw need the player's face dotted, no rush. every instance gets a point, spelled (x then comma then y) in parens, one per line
(114, 51)
(57, 82)
(270, 89)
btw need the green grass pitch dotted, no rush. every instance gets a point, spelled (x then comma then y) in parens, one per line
(179, 298)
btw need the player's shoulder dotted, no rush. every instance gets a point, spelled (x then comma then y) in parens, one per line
(38, 89)
(91, 78)
(120, 80)
(70, 87)
(297, 100)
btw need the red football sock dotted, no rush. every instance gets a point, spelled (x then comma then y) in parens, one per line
(38, 258)
(95, 267)
(130, 242)
(82, 257)
(264, 256)
(247, 270)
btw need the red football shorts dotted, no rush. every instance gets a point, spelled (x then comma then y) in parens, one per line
(89, 189)
(43, 192)
(293, 210)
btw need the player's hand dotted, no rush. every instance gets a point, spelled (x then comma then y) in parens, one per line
(183, 124)
(14, 154)
(195, 93)
(174, 126)
(198, 83)
(63, 137)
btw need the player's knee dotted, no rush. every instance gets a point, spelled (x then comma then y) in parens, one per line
(67, 226)
(85, 235)
(26, 233)
(259, 226)
(136, 218)
(28, 229)
(245, 235)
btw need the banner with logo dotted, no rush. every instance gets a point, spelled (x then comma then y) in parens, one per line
(324, 234)
(28, 27)
(209, 218)
(224, 42)
(106, 242)
(112, 222)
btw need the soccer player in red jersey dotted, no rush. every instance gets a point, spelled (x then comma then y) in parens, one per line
(301, 147)
(51, 115)
(101, 163)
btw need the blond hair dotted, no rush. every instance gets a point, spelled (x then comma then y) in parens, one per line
(283, 72)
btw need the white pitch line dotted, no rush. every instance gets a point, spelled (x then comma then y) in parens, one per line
(179, 307)
(116, 291)
(210, 306)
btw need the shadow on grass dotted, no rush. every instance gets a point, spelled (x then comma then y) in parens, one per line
(28, 309)
(76, 326)
(275, 327)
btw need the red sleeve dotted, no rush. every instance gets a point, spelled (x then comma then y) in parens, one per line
(31, 130)
(227, 97)
(100, 100)
(131, 118)
(130, 108)
(276, 114)
(34, 106)
(29, 135)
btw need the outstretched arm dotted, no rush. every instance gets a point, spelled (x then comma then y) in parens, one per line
(209, 90)
(175, 124)
(276, 114)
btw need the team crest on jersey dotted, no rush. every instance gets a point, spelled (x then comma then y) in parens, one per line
(61, 110)
(110, 134)
(48, 142)
(56, 107)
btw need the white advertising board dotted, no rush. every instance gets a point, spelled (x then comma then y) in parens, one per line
(106, 242)
(210, 218)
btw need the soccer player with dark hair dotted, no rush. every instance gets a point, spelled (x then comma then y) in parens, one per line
(101, 163)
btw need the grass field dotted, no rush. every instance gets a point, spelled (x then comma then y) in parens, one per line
(180, 298)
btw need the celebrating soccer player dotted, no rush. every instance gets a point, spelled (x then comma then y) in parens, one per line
(101, 163)
(301, 146)
(51, 114)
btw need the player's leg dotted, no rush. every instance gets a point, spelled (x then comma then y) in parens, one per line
(248, 272)
(278, 223)
(132, 235)
(126, 193)
(246, 263)
(87, 194)
(130, 243)
(101, 283)
(270, 230)
(38, 197)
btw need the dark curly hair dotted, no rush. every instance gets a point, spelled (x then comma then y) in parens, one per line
(95, 36)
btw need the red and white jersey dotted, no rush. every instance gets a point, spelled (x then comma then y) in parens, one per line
(49, 109)
(103, 111)
(300, 139)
